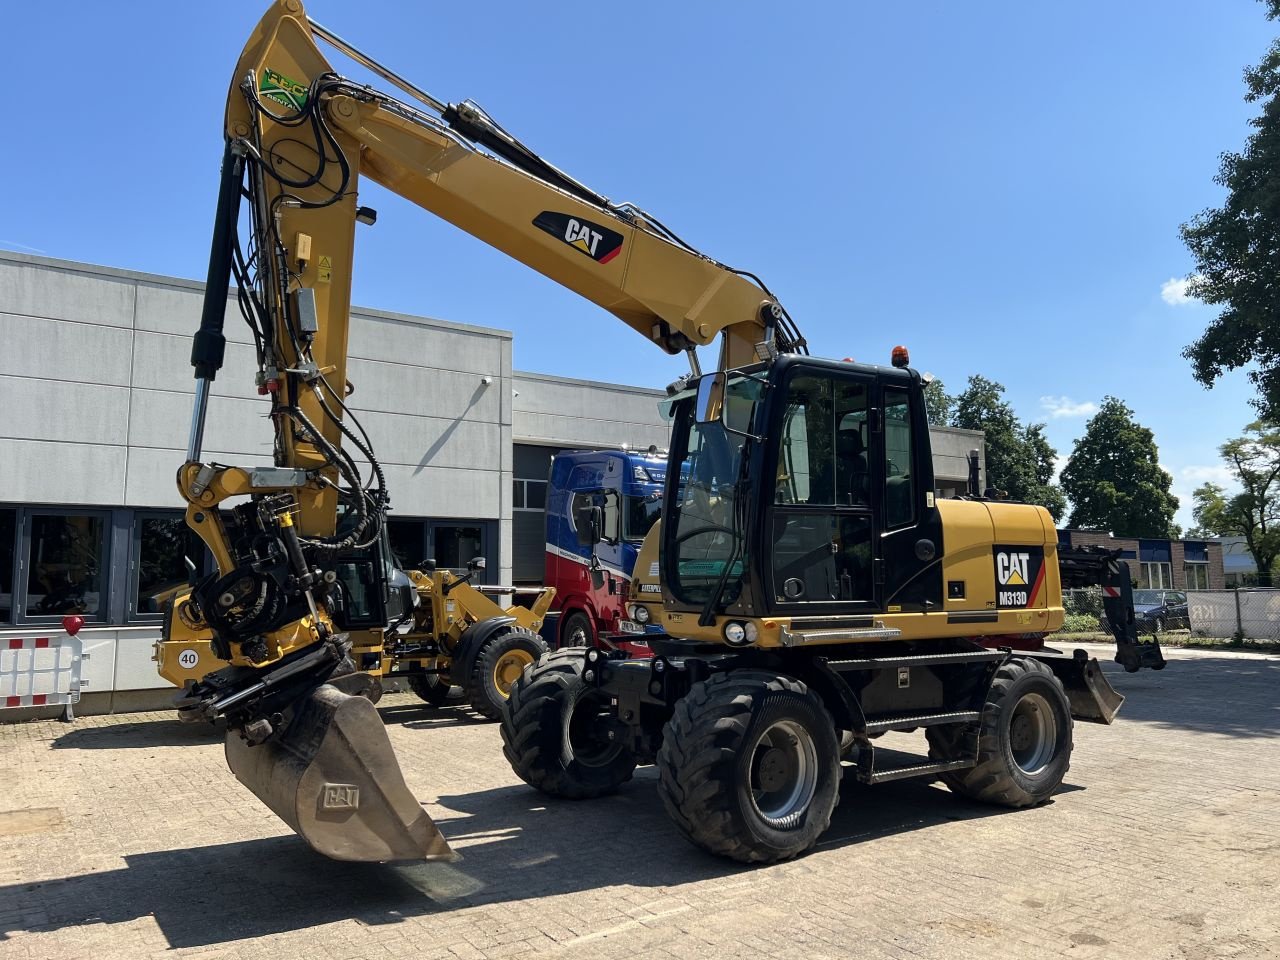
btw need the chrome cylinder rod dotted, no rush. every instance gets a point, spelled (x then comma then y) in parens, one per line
(196, 440)
(386, 73)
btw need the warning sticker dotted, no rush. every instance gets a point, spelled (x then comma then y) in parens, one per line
(1019, 575)
(653, 569)
(324, 269)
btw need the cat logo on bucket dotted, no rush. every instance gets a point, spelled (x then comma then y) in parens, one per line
(1019, 575)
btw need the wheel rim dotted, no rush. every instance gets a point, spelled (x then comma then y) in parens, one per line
(583, 742)
(577, 635)
(508, 669)
(1033, 734)
(784, 774)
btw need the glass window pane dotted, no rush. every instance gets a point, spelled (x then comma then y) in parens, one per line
(162, 544)
(821, 557)
(408, 542)
(64, 572)
(517, 494)
(457, 545)
(8, 522)
(535, 494)
(899, 499)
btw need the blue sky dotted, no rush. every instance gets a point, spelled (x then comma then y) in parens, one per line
(997, 185)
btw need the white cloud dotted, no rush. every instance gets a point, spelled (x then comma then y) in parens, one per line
(1059, 407)
(1196, 474)
(1174, 292)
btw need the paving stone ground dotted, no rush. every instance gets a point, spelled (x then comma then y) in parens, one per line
(126, 837)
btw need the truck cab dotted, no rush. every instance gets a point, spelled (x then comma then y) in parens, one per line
(627, 485)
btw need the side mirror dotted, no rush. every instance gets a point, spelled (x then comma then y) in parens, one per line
(710, 404)
(476, 563)
(597, 578)
(590, 522)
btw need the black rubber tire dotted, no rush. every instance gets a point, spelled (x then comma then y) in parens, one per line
(997, 778)
(487, 697)
(576, 622)
(538, 726)
(705, 766)
(433, 689)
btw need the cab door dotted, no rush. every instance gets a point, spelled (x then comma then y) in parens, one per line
(821, 533)
(910, 536)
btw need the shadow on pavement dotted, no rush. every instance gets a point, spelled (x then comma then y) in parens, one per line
(1232, 696)
(516, 844)
(165, 731)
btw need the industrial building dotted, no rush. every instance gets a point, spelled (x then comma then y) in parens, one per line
(95, 399)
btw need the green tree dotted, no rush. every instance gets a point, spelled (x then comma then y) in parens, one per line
(1114, 479)
(1254, 512)
(1019, 457)
(1235, 248)
(938, 403)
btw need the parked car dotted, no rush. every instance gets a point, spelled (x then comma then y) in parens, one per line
(1160, 610)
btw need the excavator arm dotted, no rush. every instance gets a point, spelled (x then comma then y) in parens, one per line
(299, 138)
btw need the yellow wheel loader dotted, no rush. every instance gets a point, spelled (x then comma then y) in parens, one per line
(430, 628)
(814, 591)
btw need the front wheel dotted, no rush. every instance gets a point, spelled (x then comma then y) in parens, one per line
(576, 630)
(749, 766)
(498, 666)
(1023, 739)
(557, 734)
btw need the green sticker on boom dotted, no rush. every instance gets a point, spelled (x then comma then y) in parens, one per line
(283, 90)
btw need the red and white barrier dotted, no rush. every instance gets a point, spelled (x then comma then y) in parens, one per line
(40, 671)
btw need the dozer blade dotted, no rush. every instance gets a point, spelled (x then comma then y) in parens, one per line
(333, 778)
(1090, 694)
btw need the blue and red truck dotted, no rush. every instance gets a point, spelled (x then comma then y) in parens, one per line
(627, 486)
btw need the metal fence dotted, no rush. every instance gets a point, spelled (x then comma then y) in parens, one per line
(1247, 613)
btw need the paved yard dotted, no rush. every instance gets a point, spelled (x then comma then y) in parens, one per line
(126, 837)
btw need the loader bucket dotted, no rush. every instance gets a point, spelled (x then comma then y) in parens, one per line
(332, 777)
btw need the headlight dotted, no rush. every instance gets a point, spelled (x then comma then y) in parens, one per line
(735, 633)
(753, 632)
(641, 614)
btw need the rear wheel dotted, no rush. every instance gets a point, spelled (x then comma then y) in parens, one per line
(749, 766)
(575, 630)
(434, 689)
(1023, 739)
(556, 731)
(501, 661)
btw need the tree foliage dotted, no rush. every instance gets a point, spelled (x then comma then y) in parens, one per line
(938, 403)
(1237, 249)
(1254, 512)
(1019, 457)
(1114, 478)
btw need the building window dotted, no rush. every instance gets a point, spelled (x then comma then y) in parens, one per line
(1157, 576)
(8, 540)
(161, 542)
(408, 542)
(66, 572)
(529, 495)
(1197, 575)
(457, 545)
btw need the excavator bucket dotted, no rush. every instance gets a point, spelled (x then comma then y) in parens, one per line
(333, 778)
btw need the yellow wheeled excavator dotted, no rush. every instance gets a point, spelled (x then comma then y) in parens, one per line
(813, 590)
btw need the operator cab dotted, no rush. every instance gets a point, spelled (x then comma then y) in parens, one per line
(808, 493)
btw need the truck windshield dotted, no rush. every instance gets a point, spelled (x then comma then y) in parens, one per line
(639, 515)
(705, 559)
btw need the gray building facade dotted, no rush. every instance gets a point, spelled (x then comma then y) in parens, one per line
(95, 400)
